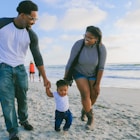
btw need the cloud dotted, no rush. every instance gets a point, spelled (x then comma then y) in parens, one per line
(70, 38)
(123, 46)
(131, 21)
(47, 22)
(45, 43)
(56, 55)
(128, 4)
(52, 1)
(69, 15)
(79, 18)
(127, 30)
(122, 42)
(73, 16)
(123, 55)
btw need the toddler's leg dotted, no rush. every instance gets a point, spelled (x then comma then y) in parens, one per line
(68, 118)
(58, 120)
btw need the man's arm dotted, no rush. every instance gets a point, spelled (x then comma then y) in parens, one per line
(34, 47)
(47, 83)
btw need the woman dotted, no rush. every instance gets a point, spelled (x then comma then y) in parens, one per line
(88, 71)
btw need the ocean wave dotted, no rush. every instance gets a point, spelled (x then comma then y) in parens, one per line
(123, 77)
(123, 67)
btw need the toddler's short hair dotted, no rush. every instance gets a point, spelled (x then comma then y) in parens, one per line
(61, 82)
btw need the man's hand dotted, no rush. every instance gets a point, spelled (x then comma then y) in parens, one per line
(47, 83)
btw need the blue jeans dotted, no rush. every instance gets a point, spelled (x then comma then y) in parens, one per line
(60, 116)
(13, 84)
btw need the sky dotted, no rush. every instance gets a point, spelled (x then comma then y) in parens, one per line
(62, 22)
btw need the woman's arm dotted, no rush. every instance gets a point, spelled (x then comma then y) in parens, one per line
(98, 81)
(102, 61)
(74, 51)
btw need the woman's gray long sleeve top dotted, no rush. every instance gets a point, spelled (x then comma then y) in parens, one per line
(88, 59)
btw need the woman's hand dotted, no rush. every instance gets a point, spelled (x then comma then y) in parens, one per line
(97, 89)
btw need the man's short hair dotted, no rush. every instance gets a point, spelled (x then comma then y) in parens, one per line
(26, 7)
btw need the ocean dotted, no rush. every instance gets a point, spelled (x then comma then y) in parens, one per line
(115, 75)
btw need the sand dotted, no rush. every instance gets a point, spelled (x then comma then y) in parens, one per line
(116, 112)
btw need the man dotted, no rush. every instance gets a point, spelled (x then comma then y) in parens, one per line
(15, 37)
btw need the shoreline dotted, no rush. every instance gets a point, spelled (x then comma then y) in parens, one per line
(116, 113)
(53, 81)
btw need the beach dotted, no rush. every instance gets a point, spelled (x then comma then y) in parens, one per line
(116, 115)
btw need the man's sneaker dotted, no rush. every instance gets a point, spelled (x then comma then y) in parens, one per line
(13, 136)
(26, 125)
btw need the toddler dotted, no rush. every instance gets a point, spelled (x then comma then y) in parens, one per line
(62, 111)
